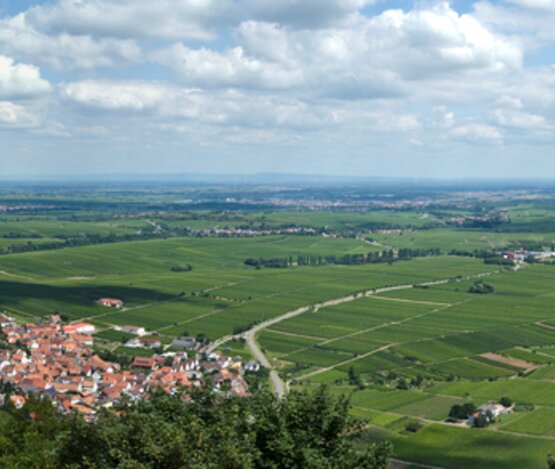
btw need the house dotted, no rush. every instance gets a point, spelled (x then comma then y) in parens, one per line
(110, 302)
(144, 342)
(80, 328)
(185, 343)
(252, 366)
(150, 342)
(136, 330)
(490, 411)
(495, 409)
(144, 362)
(134, 343)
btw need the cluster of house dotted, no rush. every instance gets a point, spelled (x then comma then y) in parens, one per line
(250, 232)
(57, 360)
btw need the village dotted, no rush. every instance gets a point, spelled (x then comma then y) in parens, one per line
(57, 360)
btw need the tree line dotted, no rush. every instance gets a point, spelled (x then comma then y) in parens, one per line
(346, 259)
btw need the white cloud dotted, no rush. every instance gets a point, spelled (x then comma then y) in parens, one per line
(476, 132)
(20, 80)
(16, 116)
(165, 19)
(279, 71)
(540, 5)
(183, 19)
(116, 96)
(531, 20)
(520, 120)
(61, 50)
(363, 57)
(232, 68)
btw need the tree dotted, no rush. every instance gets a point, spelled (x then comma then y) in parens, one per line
(481, 288)
(506, 401)
(413, 426)
(461, 412)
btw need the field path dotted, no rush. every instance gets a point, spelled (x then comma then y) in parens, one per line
(346, 362)
(293, 334)
(9, 274)
(400, 464)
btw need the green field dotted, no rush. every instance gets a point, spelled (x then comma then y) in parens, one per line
(405, 354)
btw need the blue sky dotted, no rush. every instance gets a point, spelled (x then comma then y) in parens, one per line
(347, 87)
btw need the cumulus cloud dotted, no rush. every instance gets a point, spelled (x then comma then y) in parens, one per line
(186, 19)
(289, 69)
(19, 38)
(20, 80)
(365, 57)
(232, 68)
(130, 18)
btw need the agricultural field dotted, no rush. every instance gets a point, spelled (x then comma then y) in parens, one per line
(406, 339)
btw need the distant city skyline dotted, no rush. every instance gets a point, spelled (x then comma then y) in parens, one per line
(325, 87)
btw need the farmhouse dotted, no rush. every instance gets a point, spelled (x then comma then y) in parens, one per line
(489, 411)
(110, 302)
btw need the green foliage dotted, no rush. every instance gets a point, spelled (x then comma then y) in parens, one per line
(506, 401)
(481, 288)
(413, 426)
(307, 429)
(462, 412)
(182, 268)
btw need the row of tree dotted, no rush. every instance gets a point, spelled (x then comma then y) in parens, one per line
(347, 259)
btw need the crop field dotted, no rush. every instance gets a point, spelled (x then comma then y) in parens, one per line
(537, 422)
(454, 448)
(520, 390)
(445, 335)
(219, 295)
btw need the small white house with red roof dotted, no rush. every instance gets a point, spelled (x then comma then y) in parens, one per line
(110, 302)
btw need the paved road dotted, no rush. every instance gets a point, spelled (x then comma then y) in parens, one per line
(277, 383)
